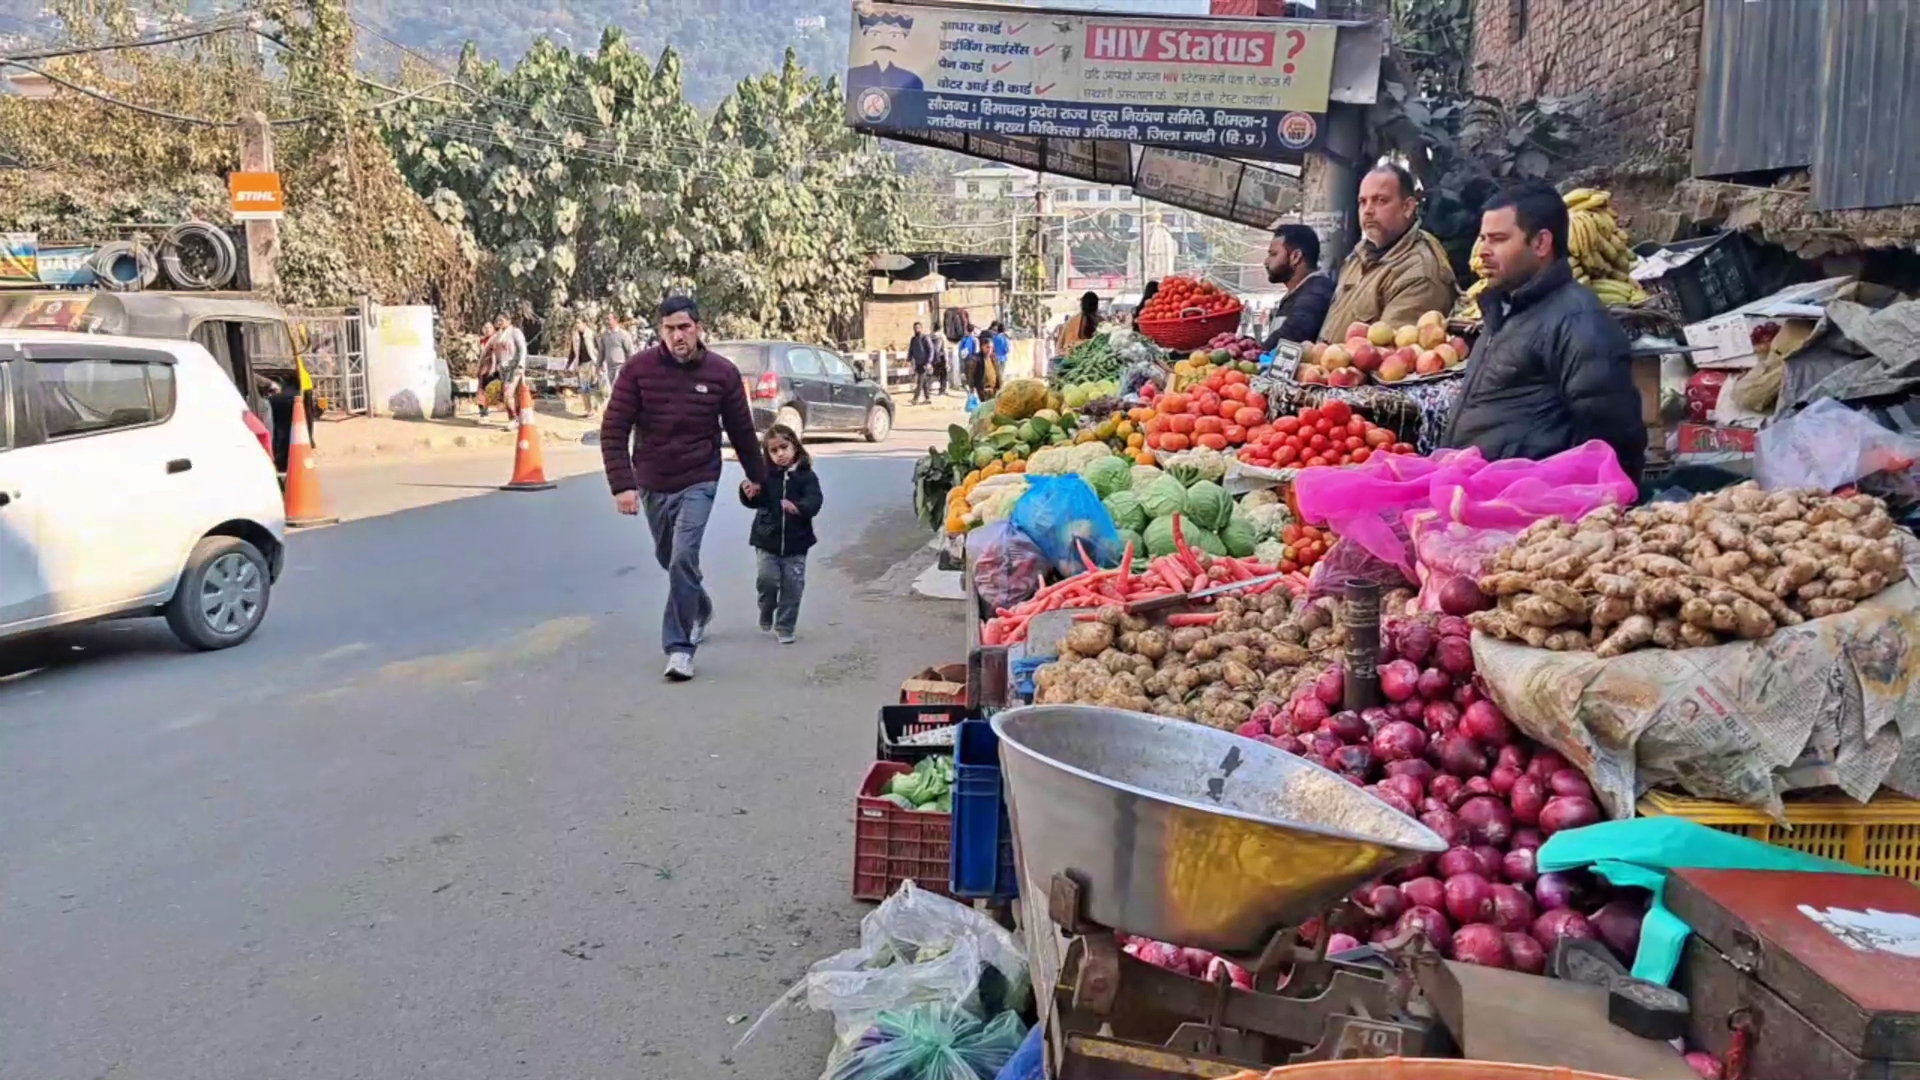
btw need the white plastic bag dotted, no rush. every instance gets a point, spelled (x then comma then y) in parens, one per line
(1829, 446)
(916, 947)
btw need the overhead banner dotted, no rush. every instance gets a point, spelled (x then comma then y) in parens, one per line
(1216, 186)
(1237, 88)
(19, 258)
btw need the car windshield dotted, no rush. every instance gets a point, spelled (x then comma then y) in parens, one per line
(749, 356)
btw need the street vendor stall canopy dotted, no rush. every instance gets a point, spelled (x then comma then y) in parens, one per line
(1185, 109)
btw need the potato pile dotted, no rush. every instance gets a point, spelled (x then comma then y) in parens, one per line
(1255, 648)
(1736, 564)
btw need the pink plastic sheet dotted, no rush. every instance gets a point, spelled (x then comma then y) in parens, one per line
(1457, 495)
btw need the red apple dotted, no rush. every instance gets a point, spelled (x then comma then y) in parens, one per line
(1347, 377)
(1446, 354)
(1392, 371)
(1460, 346)
(1366, 357)
(1356, 330)
(1429, 363)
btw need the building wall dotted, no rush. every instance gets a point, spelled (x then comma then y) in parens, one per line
(1637, 59)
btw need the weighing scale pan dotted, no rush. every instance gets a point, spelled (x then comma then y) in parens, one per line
(1182, 833)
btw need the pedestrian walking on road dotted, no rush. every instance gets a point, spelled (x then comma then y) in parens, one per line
(920, 357)
(616, 345)
(583, 362)
(784, 509)
(510, 362)
(676, 397)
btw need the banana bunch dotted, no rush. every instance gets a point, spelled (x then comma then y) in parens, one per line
(1469, 307)
(1599, 248)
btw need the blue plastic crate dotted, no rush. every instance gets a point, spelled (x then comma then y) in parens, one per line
(982, 862)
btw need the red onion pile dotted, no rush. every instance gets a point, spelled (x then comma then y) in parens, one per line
(1195, 963)
(1440, 751)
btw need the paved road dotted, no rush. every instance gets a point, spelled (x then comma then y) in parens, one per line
(441, 817)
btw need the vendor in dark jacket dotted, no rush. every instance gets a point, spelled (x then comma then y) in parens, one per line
(1551, 369)
(1293, 260)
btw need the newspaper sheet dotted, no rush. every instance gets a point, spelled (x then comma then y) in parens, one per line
(1833, 701)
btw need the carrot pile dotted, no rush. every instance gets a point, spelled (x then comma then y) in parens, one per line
(1184, 571)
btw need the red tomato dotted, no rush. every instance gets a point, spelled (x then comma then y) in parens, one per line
(1298, 442)
(1216, 381)
(1175, 441)
(1206, 403)
(1254, 400)
(1208, 425)
(1310, 416)
(1181, 423)
(1235, 433)
(1246, 416)
(1337, 411)
(1402, 448)
(1234, 391)
(1173, 403)
(1287, 424)
(1237, 378)
(1356, 426)
(1318, 442)
(1324, 426)
(1379, 437)
(1212, 441)
(1362, 454)
(1288, 566)
(1290, 533)
(1315, 462)
(1259, 431)
(1353, 442)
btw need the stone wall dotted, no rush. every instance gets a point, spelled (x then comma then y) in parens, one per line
(1635, 62)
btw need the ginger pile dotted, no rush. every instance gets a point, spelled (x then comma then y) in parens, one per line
(1736, 564)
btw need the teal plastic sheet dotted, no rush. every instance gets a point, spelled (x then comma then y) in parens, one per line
(1639, 852)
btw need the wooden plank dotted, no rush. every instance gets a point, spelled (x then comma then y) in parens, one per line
(1530, 1020)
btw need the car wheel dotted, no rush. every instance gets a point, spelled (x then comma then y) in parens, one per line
(222, 595)
(790, 417)
(879, 424)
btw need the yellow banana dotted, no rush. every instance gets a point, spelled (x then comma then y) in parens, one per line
(1576, 196)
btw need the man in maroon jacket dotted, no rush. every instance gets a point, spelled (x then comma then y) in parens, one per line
(670, 402)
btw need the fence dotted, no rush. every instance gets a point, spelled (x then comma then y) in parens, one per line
(331, 344)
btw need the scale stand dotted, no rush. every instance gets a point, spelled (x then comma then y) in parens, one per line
(1118, 1018)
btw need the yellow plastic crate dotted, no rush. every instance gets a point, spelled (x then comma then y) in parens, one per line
(1882, 835)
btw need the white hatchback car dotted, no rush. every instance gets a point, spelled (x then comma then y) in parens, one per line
(134, 481)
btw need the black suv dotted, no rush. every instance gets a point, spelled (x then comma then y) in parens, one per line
(810, 389)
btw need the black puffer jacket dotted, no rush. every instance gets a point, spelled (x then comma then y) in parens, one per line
(1548, 375)
(774, 530)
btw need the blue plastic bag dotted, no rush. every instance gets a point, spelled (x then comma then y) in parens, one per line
(973, 401)
(1025, 1064)
(1059, 512)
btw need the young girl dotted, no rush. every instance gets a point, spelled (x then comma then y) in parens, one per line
(783, 528)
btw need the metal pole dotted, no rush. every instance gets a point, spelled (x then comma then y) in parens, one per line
(263, 237)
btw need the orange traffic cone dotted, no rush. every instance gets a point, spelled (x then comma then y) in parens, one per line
(304, 506)
(529, 474)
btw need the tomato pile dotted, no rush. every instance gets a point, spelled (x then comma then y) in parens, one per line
(1218, 413)
(1331, 434)
(1305, 545)
(1177, 294)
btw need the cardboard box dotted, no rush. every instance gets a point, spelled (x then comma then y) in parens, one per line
(1728, 338)
(1714, 444)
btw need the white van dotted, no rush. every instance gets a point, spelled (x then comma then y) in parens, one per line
(134, 480)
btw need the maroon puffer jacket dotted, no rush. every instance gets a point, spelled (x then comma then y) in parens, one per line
(677, 411)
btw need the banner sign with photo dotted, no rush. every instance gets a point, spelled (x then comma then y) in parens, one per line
(19, 258)
(1238, 88)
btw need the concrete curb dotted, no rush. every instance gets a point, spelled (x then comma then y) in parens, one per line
(440, 441)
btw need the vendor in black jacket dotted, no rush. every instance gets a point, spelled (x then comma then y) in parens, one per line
(1551, 369)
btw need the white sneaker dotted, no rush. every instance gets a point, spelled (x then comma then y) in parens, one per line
(699, 632)
(679, 666)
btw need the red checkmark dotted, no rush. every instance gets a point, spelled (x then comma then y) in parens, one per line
(1044, 51)
(998, 68)
(1016, 29)
(1044, 89)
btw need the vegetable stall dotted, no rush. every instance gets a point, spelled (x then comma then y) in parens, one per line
(1284, 737)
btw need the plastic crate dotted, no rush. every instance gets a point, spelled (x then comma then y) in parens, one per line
(932, 692)
(982, 836)
(899, 721)
(891, 845)
(1715, 281)
(1882, 835)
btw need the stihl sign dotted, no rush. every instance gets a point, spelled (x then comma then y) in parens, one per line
(255, 196)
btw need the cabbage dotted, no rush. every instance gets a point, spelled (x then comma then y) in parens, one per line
(1270, 552)
(1142, 476)
(1209, 505)
(1239, 538)
(1159, 537)
(1164, 497)
(1109, 474)
(1202, 539)
(1124, 508)
(1132, 536)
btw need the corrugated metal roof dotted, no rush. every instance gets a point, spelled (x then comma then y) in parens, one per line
(1868, 150)
(1759, 99)
(1827, 85)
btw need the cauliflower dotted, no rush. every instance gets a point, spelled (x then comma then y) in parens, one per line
(1267, 519)
(1050, 461)
(1263, 497)
(1270, 552)
(1200, 463)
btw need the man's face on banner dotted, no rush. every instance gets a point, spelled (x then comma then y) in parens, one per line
(885, 35)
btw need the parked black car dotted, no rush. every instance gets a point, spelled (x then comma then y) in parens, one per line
(808, 388)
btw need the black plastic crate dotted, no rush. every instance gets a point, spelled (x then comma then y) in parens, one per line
(1715, 281)
(899, 721)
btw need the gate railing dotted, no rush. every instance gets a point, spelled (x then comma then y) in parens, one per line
(332, 345)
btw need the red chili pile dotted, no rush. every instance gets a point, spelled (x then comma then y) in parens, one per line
(1440, 751)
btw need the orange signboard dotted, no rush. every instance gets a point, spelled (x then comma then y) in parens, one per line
(255, 196)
